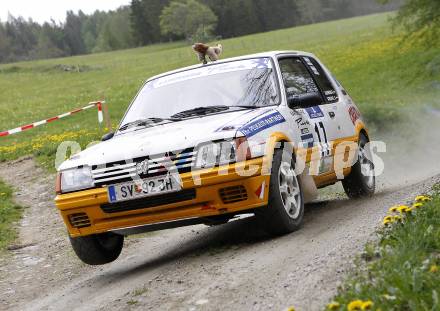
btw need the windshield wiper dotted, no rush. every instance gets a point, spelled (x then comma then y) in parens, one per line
(200, 111)
(146, 122)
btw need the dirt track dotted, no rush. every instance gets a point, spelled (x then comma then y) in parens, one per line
(230, 267)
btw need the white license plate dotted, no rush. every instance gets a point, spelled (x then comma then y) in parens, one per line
(143, 188)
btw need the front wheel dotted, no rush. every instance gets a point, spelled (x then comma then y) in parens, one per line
(285, 209)
(361, 182)
(98, 249)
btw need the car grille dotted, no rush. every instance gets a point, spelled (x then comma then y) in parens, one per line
(169, 198)
(123, 171)
(79, 220)
(233, 194)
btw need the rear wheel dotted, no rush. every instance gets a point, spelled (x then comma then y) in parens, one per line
(98, 249)
(361, 182)
(285, 209)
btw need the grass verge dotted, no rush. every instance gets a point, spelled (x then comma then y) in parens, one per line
(400, 271)
(9, 213)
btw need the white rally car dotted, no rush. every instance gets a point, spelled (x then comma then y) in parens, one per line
(254, 134)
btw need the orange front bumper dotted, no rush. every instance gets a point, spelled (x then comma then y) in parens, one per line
(85, 206)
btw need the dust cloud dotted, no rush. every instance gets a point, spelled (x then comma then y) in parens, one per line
(413, 148)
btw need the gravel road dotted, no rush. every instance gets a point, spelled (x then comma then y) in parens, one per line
(229, 267)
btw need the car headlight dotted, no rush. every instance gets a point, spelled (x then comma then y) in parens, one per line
(76, 179)
(213, 154)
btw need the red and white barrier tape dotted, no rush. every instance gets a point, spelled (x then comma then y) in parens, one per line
(35, 124)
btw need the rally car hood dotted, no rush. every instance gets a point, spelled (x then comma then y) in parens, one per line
(167, 137)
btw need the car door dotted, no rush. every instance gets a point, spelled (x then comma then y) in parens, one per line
(319, 121)
(335, 106)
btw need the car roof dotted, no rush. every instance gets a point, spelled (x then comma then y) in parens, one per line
(271, 54)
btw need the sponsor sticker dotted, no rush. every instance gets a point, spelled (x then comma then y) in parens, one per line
(315, 112)
(307, 140)
(304, 131)
(354, 114)
(262, 124)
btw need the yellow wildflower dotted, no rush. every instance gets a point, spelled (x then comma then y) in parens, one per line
(2, 194)
(417, 205)
(387, 222)
(402, 209)
(334, 305)
(409, 210)
(367, 305)
(355, 305)
(388, 219)
(393, 209)
(422, 198)
(433, 269)
(290, 309)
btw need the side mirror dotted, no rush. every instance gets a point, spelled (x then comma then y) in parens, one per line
(108, 136)
(304, 100)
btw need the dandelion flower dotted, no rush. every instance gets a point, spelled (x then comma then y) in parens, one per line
(355, 305)
(388, 219)
(409, 210)
(290, 309)
(423, 198)
(402, 209)
(334, 305)
(387, 222)
(417, 205)
(367, 305)
(433, 269)
(393, 209)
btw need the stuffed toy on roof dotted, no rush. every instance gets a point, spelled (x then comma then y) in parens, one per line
(213, 52)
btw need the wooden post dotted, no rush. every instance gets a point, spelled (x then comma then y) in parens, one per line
(107, 120)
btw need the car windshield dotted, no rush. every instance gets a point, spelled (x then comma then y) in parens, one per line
(210, 89)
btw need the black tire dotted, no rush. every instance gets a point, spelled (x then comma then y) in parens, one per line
(98, 249)
(356, 184)
(275, 219)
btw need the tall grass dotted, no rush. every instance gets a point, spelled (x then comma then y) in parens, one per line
(402, 271)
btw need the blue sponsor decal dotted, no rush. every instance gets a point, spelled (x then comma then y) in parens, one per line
(262, 63)
(262, 124)
(307, 140)
(112, 193)
(315, 112)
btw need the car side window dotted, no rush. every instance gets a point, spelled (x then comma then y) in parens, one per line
(297, 79)
(330, 94)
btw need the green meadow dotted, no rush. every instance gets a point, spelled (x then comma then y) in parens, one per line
(382, 72)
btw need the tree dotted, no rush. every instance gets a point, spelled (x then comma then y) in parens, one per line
(4, 44)
(22, 36)
(310, 11)
(72, 30)
(421, 17)
(277, 14)
(153, 10)
(235, 17)
(139, 23)
(190, 19)
(51, 42)
(115, 32)
(144, 19)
